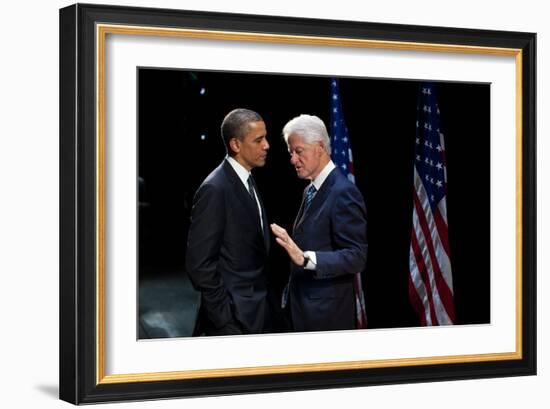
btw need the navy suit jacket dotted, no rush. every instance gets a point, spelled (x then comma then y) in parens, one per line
(227, 253)
(335, 227)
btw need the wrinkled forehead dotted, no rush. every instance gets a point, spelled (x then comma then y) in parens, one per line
(296, 141)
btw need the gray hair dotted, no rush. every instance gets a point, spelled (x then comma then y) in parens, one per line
(310, 127)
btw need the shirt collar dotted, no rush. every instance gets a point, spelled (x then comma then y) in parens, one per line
(239, 169)
(321, 177)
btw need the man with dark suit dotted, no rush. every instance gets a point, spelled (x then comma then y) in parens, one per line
(329, 244)
(228, 240)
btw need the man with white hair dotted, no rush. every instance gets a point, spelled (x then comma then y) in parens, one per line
(329, 239)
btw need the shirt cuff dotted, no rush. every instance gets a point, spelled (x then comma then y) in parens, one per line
(312, 262)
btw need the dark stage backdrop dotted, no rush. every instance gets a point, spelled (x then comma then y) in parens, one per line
(180, 113)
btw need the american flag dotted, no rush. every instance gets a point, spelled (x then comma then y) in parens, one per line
(342, 158)
(430, 278)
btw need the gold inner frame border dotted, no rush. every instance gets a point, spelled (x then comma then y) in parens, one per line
(102, 30)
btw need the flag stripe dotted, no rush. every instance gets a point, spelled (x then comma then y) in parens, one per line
(441, 228)
(443, 250)
(427, 282)
(437, 232)
(430, 280)
(416, 302)
(437, 282)
(359, 303)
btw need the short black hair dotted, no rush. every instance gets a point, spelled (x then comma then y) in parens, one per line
(235, 124)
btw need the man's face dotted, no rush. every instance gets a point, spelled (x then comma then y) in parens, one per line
(306, 158)
(252, 149)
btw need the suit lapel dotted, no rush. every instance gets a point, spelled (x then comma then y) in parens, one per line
(300, 214)
(242, 194)
(240, 190)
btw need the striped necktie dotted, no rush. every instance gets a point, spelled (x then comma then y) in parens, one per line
(310, 193)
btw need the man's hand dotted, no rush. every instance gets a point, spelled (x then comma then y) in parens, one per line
(282, 237)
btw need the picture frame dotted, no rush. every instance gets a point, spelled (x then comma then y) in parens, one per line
(83, 214)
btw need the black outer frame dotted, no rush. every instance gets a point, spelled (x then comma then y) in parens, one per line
(78, 197)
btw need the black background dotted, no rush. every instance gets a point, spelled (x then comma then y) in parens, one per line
(174, 158)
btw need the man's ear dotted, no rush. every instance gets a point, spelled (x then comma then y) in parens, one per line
(235, 145)
(320, 148)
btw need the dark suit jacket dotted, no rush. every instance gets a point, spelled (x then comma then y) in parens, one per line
(334, 226)
(226, 254)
